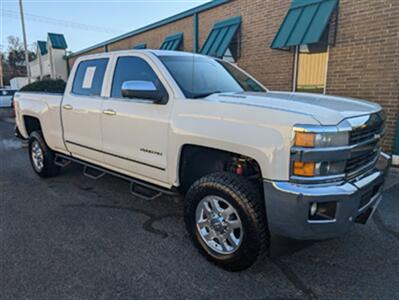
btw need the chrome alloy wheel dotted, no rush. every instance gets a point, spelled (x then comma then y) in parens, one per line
(37, 156)
(219, 225)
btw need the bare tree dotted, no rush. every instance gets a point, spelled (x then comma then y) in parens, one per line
(14, 59)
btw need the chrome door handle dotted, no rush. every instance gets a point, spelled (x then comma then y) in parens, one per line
(109, 112)
(67, 106)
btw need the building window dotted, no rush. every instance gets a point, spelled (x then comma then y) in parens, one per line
(232, 53)
(311, 69)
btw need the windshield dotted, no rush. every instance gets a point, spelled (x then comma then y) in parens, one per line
(199, 76)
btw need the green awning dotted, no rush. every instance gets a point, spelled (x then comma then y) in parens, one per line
(140, 46)
(220, 37)
(304, 23)
(172, 42)
(42, 47)
(57, 40)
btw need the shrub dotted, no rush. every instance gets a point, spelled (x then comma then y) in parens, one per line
(47, 85)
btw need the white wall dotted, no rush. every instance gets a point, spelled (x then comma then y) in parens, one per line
(18, 82)
(60, 64)
(53, 64)
(46, 65)
(35, 68)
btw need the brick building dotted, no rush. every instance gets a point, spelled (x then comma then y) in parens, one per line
(345, 47)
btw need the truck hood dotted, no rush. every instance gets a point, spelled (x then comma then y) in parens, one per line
(328, 110)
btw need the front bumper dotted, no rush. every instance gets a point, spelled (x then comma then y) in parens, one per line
(288, 204)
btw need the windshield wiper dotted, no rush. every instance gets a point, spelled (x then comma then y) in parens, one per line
(204, 95)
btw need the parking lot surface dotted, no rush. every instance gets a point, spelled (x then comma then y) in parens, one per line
(70, 237)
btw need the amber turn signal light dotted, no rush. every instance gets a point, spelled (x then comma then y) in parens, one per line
(305, 139)
(304, 168)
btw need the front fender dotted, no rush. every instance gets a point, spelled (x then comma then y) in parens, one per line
(262, 134)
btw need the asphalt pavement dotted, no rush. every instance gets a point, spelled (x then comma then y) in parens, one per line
(70, 237)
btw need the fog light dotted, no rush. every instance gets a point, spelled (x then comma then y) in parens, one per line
(313, 209)
(322, 211)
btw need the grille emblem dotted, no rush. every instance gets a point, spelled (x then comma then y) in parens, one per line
(377, 136)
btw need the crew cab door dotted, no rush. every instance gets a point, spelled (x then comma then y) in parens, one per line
(135, 130)
(81, 110)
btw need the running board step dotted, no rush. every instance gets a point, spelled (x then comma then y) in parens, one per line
(143, 192)
(92, 173)
(138, 188)
(61, 161)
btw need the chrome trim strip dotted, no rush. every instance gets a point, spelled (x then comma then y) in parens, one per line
(315, 128)
(331, 178)
(115, 155)
(347, 124)
(313, 190)
(374, 208)
(385, 155)
(319, 154)
(367, 180)
(331, 189)
(371, 201)
(358, 121)
(322, 221)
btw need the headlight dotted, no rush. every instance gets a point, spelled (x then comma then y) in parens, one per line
(314, 140)
(315, 169)
(321, 140)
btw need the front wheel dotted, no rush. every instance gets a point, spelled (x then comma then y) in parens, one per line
(225, 216)
(41, 156)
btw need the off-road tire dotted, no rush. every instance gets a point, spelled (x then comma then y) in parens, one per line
(246, 198)
(50, 169)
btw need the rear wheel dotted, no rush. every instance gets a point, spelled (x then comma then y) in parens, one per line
(225, 216)
(41, 156)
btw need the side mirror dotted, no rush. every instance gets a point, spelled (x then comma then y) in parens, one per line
(143, 90)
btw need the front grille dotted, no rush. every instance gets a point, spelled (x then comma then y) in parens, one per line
(361, 164)
(364, 157)
(372, 128)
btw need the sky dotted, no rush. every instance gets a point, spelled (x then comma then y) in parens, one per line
(84, 23)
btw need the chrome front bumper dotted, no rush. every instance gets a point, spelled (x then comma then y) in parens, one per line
(288, 204)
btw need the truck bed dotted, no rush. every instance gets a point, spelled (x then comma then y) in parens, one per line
(46, 108)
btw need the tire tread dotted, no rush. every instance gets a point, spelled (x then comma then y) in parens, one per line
(50, 169)
(244, 191)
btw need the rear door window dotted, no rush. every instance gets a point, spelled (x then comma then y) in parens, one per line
(89, 77)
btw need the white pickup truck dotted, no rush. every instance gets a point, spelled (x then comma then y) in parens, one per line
(250, 162)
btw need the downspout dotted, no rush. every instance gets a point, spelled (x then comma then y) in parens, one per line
(395, 156)
(326, 74)
(294, 78)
